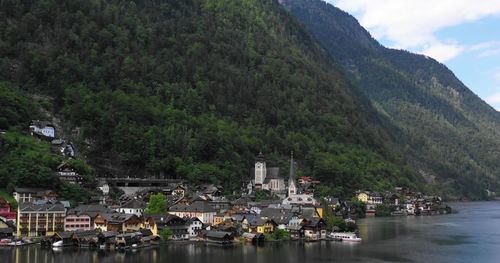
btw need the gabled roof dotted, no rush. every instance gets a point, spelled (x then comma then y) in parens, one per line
(218, 234)
(197, 206)
(30, 207)
(135, 204)
(146, 232)
(190, 220)
(162, 219)
(85, 233)
(261, 222)
(117, 217)
(111, 233)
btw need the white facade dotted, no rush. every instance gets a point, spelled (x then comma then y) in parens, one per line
(135, 211)
(260, 172)
(47, 131)
(205, 218)
(194, 228)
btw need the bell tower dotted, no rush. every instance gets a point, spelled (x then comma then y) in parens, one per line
(260, 171)
(292, 186)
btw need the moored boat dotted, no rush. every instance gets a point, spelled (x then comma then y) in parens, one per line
(58, 244)
(345, 236)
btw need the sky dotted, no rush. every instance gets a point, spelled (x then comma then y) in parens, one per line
(462, 34)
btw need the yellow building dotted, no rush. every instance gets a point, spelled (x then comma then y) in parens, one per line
(40, 220)
(150, 223)
(262, 226)
(363, 197)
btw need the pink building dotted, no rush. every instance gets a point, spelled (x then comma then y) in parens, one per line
(78, 221)
(6, 211)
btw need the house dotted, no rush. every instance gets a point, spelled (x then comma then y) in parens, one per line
(178, 191)
(85, 238)
(32, 194)
(314, 229)
(42, 129)
(6, 211)
(92, 211)
(40, 220)
(107, 238)
(68, 173)
(332, 202)
(133, 206)
(6, 228)
(219, 237)
(149, 223)
(254, 237)
(65, 236)
(177, 225)
(218, 219)
(76, 220)
(363, 196)
(117, 222)
(369, 197)
(194, 226)
(183, 201)
(262, 226)
(280, 216)
(200, 209)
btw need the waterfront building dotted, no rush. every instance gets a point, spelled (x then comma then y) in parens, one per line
(6, 211)
(262, 226)
(40, 220)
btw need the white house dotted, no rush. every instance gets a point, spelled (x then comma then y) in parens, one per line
(133, 206)
(200, 209)
(194, 226)
(43, 129)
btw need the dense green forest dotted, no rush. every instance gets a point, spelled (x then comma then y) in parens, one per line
(191, 89)
(450, 136)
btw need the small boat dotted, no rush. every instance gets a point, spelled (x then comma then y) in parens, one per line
(345, 236)
(58, 244)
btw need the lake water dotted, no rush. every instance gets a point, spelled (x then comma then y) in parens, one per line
(472, 234)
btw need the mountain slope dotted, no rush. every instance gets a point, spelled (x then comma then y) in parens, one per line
(451, 135)
(194, 90)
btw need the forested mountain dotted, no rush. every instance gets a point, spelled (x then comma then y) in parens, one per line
(451, 136)
(189, 89)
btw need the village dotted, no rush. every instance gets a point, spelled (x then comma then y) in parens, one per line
(271, 207)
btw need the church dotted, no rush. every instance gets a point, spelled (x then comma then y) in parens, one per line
(297, 196)
(268, 178)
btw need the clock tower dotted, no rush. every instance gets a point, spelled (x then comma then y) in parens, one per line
(260, 171)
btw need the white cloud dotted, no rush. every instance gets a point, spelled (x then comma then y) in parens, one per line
(411, 24)
(494, 101)
(443, 52)
(495, 98)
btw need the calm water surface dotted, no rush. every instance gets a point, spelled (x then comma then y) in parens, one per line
(470, 235)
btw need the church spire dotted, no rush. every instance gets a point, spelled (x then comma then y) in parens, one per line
(292, 188)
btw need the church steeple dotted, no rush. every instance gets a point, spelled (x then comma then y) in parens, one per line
(292, 188)
(260, 170)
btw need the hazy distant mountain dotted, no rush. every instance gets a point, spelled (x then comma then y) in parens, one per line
(451, 136)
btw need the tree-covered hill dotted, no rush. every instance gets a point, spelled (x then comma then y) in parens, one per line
(451, 136)
(194, 89)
